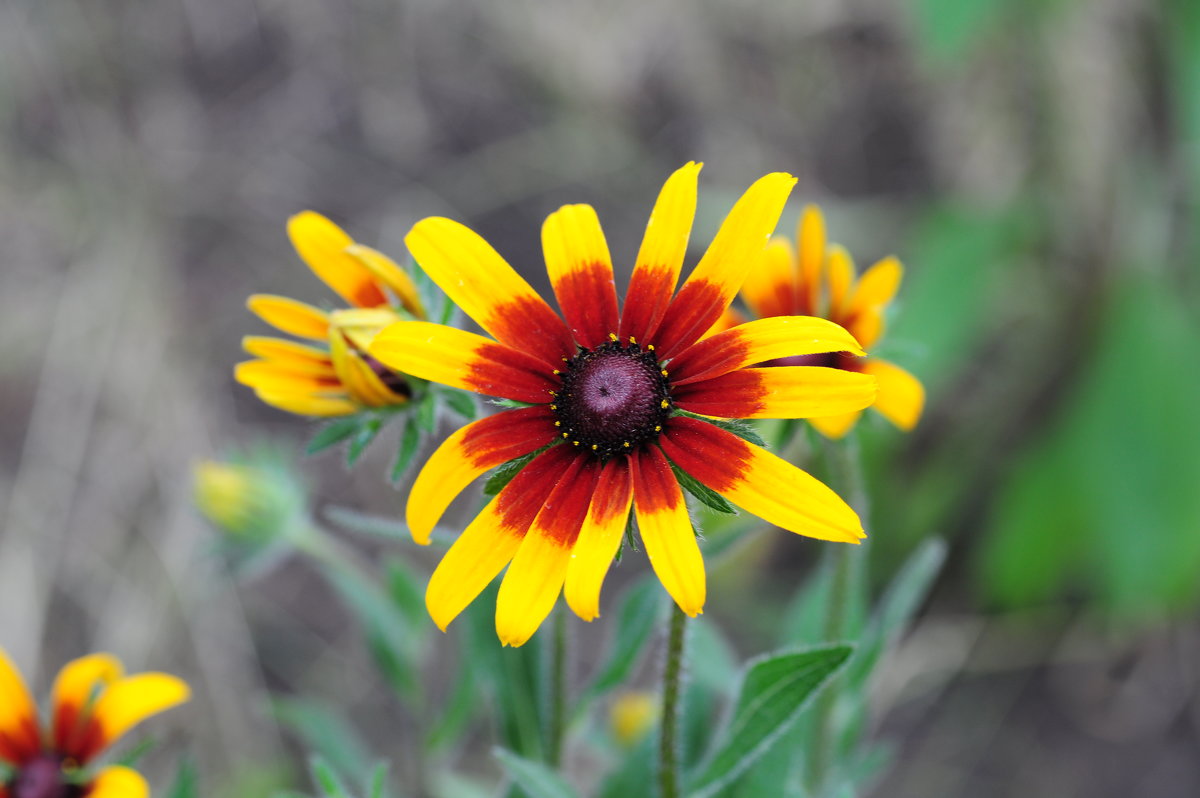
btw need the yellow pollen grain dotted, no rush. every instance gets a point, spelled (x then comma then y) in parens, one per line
(663, 372)
(575, 442)
(612, 336)
(632, 340)
(566, 435)
(658, 428)
(558, 423)
(595, 446)
(664, 404)
(625, 444)
(553, 407)
(557, 372)
(650, 347)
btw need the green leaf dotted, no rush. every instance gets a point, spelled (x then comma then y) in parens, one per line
(323, 731)
(378, 788)
(187, 783)
(327, 779)
(407, 591)
(390, 638)
(537, 780)
(134, 755)
(426, 414)
(410, 442)
(505, 473)
(461, 402)
(707, 496)
(776, 690)
(634, 770)
(742, 429)
(457, 710)
(636, 617)
(334, 432)
(362, 439)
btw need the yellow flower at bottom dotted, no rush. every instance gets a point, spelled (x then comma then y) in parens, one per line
(334, 377)
(93, 703)
(632, 717)
(819, 279)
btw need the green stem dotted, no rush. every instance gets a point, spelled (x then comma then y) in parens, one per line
(668, 744)
(846, 563)
(558, 689)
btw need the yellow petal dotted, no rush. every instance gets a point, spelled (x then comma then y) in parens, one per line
(877, 286)
(299, 356)
(128, 701)
(463, 360)
(837, 426)
(667, 532)
(308, 405)
(81, 680)
(841, 276)
(359, 379)
(284, 377)
(18, 714)
(770, 288)
(758, 342)
(660, 258)
(778, 392)
(810, 245)
(759, 482)
(290, 316)
(118, 782)
(599, 538)
(866, 326)
(389, 273)
(901, 395)
(581, 273)
(723, 268)
(488, 290)
(322, 245)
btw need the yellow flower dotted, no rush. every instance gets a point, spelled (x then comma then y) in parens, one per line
(336, 378)
(250, 501)
(93, 703)
(627, 394)
(816, 279)
(632, 717)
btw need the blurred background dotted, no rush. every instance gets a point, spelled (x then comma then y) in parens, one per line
(1036, 166)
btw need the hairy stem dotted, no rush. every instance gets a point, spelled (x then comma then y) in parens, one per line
(668, 744)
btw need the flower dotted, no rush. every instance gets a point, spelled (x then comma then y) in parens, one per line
(632, 716)
(257, 501)
(620, 393)
(339, 378)
(819, 280)
(92, 705)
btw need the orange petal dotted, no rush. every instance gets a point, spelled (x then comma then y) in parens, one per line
(667, 531)
(770, 288)
(537, 572)
(128, 701)
(19, 735)
(290, 316)
(387, 272)
(492, 539)
(599, 538)
(757, 342)
(322, 245)
(465, 455)
(117, 781)
(901, 395)
(877, 285)
(810, 246)
(660, 259)
(307, 404)
(463, 360)
(778, 392)
(482, 283)
(581, 272)
(759, 482)
(841, 277)
(723, 268)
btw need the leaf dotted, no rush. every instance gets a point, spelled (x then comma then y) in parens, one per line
(634, 770)
(707, 496)
(186, 784)
(461, 402)
(378, 788)
(533, 777)
(389, 636)
(775, 691)
(410, 442)
(457, 710)
(134, 755)
(504, 474)
(426, 415)
(740, 428)
(362, 439)
(323, 731)
(332, 433)
(406, 591)
(327, 779)
(637, 615)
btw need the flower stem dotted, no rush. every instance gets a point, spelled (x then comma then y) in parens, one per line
(846, 564)
(668, 744)
(558, 689)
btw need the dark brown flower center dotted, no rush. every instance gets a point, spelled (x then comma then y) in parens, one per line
(613, 398)
(43, 778)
